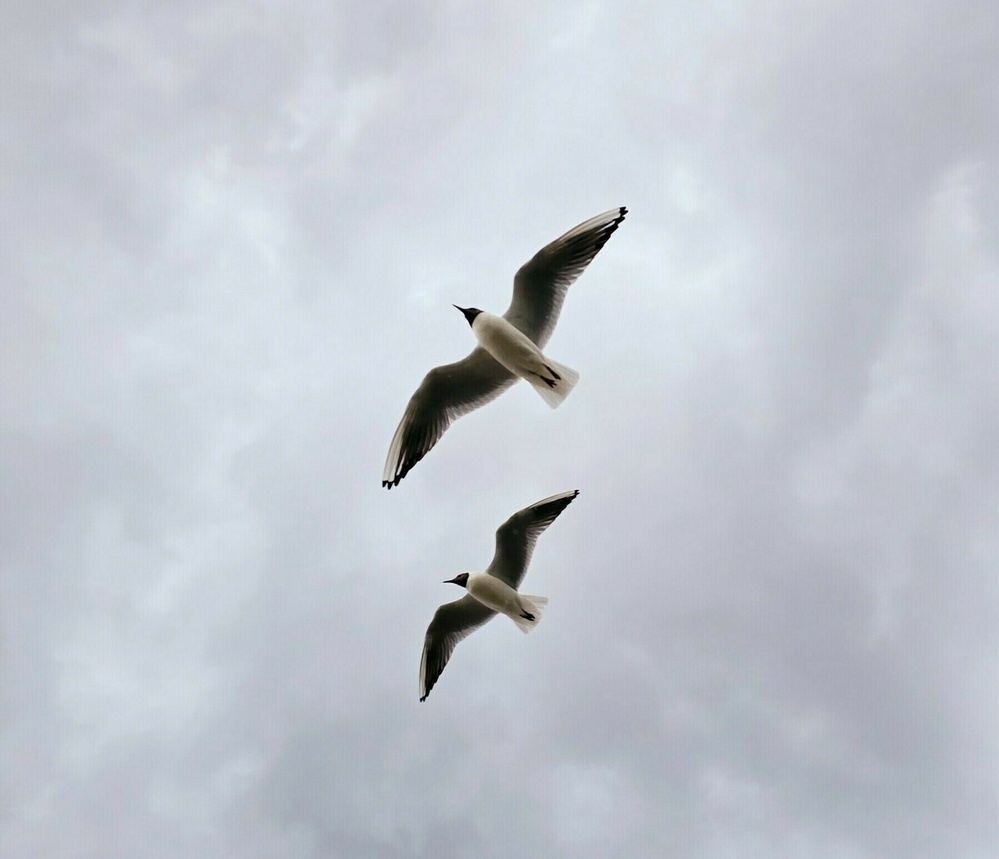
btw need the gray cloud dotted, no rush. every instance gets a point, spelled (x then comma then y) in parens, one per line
(234, 235)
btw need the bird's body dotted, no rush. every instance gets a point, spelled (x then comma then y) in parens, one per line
(522, 609)
(512, 348)
(509, 347)
(493, 591)
(521, 356)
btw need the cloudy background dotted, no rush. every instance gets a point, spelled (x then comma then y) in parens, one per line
(232, 233)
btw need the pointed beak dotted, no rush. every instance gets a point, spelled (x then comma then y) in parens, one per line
(453, 581)
(462, 309)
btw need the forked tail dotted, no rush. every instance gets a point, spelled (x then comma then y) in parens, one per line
(534, 606)
(556, 383)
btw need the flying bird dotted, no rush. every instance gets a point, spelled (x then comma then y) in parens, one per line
(509, 347)
(492, 591)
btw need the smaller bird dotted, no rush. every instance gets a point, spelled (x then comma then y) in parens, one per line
(493, 591)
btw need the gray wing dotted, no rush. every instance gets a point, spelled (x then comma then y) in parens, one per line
(540, 285)
(516, 537)
(452, 622)
(445, 394)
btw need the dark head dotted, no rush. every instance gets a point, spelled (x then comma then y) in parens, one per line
(461, 579)
(470, 312)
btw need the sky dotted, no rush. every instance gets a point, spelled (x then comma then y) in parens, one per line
(233, 233)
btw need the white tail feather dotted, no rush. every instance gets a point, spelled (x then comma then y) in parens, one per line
(532, 605)
(554, 394)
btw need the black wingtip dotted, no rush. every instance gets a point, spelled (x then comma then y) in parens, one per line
(608, 229)
(395, 481)
(557, 502)
(569, 499)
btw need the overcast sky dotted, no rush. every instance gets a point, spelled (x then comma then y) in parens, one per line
(232, 235)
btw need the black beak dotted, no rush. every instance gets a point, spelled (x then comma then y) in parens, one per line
(453, 581)
(462, 309)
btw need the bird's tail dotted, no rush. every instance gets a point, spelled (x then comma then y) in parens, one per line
(556, 383)
(531, 605)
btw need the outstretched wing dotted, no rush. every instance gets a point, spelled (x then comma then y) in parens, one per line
(445, 394)
(516, 537)
(452, 622)
(540, 285)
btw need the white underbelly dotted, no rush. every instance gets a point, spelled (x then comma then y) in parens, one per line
(494, 594)
(511, 347)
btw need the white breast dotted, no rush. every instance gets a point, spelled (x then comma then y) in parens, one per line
(508, 345)
(491, 592)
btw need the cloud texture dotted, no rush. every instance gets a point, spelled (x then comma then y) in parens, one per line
(233, 233)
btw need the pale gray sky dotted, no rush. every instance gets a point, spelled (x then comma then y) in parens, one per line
(233, 232)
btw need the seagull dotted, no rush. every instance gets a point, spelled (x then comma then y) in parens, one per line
(509, 346)
(492, 591)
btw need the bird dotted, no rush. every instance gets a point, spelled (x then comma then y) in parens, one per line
(492, 591)
(509, 347)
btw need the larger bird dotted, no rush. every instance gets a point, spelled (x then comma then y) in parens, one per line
(493, 591)
(509, 347)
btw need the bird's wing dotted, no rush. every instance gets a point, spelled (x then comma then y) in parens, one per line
(540, 285)
(452, 622)
(516, 537)
(445, 394)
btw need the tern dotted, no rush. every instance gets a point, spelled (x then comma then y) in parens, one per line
(509, 347)
(493, 591)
